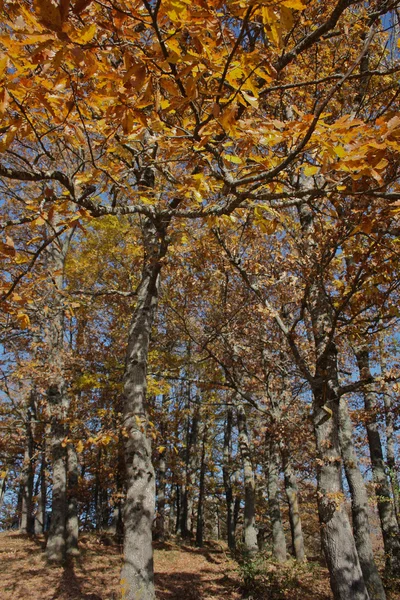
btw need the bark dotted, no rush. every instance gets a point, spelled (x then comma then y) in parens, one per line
(161, 498)
(200, 504)
(137, 579)
(389, 525)
(28, 472)
(227, 478)
(58, 404)
(56, 542)
(359, 506)
(337, 537)
(391, 455)
(40, 516)
(191, 458)
(250, 531)
(118, 525)
(72, 522)
(278, 535)
(292, 496)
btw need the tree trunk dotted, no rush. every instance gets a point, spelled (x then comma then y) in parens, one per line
(391, 455)
(186, 528)
(72, 522)
(227, 478)
(250, 531)
(161, 498)
(137, 579)
(337, 537)
(359, 506)
(28, 472)
(200, 505)
(40, 516)
(56, 542)
(292, 496)
(389, 526)
(278, 535)
(58, 404)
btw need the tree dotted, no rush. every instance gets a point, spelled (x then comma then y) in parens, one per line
(118, 111)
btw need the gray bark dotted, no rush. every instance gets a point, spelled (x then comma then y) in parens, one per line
(292, 496)
(359, 506)
(278, 535)
(391, 455)
(389, 525)
(56, 542)
(227, 478)
(137, 579)
(28, 471)
(250, 531)
(58, 403)
(336, 534)
(191, 459)
(72, 522)
(200, 504)
(161, 498)
(40, 516)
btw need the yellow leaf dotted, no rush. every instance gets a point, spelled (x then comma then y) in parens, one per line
(310, 170)
(340, 151)
(271, 24)
(86, 34)
(79, 447)
(267, 226)
(295, 4)
(232, 158)
(286, 18)
(161, 449)
(7, 140)
(3, 64)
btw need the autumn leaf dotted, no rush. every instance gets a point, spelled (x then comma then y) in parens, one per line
(310, 170)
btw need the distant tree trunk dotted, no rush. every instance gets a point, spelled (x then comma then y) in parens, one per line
(97, 491)
(161, 498)
(359, 506)
(191, 459)
(292, 496)
(177, 509)
(227, 478)
(278, 535)
(200, 504)
(137, 578)
(28, 472)
(72, 522)
(40, 516)
(389, 525)
(250, 531)
(118, 525)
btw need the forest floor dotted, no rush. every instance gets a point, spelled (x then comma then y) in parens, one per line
(182, 573)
